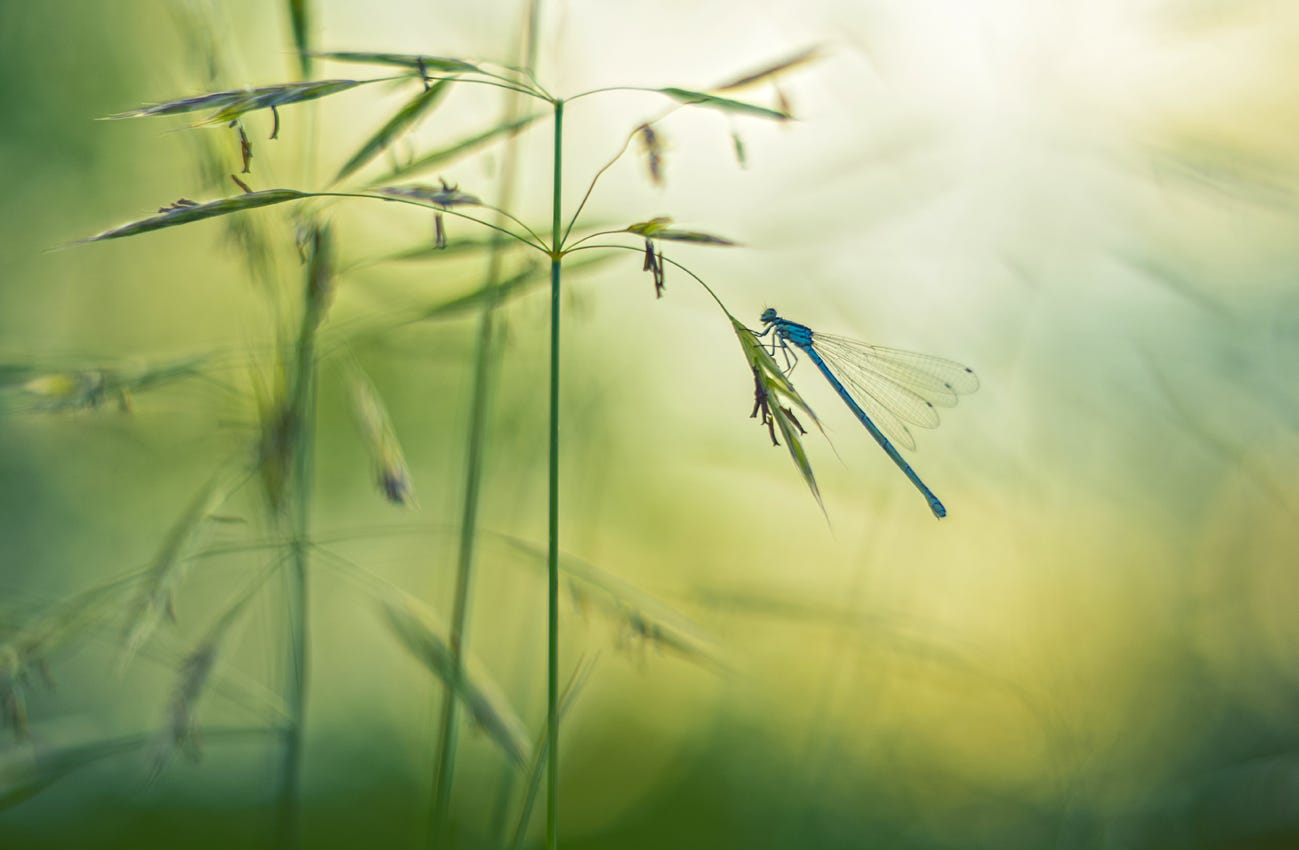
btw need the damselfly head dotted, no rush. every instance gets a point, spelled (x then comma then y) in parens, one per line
(768, 315)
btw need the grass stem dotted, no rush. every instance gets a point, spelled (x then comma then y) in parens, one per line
(298, 426)
(440, 828)
(552, 560)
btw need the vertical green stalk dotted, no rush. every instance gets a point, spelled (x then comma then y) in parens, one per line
(531, 30)
(552, 560)
(290, 826)
(299, 433)
(297, 427)
(439, 833)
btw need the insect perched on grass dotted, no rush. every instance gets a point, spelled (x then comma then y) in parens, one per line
(897, 387)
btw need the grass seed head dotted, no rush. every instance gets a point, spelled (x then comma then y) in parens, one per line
(653, 147)
(381, 444)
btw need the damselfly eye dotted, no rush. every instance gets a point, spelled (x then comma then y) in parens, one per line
(768, 316)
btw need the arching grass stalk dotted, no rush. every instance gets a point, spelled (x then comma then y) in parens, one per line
(439, 834)
(552, 558)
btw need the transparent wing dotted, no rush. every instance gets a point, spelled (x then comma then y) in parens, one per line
(896, 388)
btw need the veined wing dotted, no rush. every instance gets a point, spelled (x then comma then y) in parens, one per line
(938, 379)
(896, 388)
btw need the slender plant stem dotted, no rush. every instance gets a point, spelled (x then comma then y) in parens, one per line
(615, 88)
(540, 756)
(303, 412)
(440, 828)
(552, 560)
(508, 86)
(297, 426)
(530, 42)
(699, 280)
(397, 199)
(290, 816)
(300, 430)
(596, 178)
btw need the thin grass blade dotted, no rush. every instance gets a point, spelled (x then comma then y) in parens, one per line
(530, 277)
(452, 248)
(725, 104)
(641, 614)
(752, 78)
(300, 22)
(572, 690)
(422, 635)
(464, 147)
(404, 119)
(26, 772)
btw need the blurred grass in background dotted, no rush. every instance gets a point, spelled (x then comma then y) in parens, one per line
(1092, 205)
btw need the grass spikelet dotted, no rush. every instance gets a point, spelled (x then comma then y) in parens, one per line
(155, 598)
(62, 391)
(276, 434)
(653, 147)
(229, 105)
(657, 228)
(30, 388)
(245, 152)
(443, 195)
(318, 245)
(775, 398)
(180, 729)
(741, 155)
(390, 469)
(29, 646)
(421, 634)
(283, 407)
(13, 693)
(654, 265)
(185, 211)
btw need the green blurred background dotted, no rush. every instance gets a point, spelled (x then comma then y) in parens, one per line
(1091, 204)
